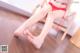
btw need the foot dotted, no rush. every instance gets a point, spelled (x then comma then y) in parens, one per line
(37, 41)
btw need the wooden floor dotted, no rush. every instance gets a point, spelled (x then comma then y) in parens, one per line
(9, 22)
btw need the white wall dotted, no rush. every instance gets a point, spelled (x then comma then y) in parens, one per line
(24, 7)
(75, 7)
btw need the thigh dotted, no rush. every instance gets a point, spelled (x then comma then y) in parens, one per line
(58, 13)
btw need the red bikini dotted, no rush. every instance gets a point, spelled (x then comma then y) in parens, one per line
(57, 8)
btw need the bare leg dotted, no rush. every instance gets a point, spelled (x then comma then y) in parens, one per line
(38, 41)
(70, 24)
(39, 14)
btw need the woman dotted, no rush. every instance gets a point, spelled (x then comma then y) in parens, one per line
(53, 9)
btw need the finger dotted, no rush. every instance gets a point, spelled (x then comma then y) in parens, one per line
(27, 32)
(30, 34)
(30, 39)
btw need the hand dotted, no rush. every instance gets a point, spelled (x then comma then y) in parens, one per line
(37, 41)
